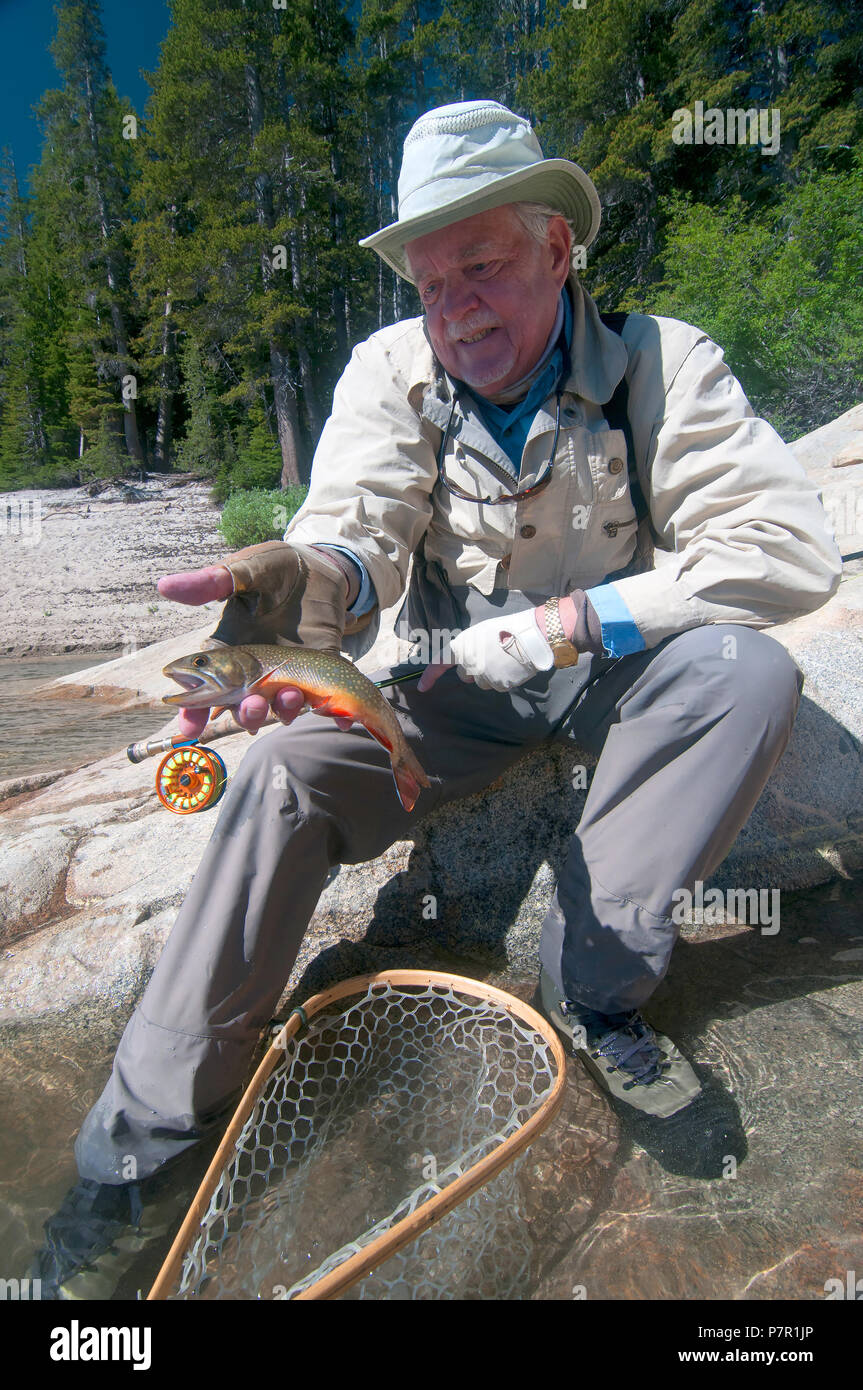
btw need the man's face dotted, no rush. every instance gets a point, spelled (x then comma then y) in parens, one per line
(490, 292)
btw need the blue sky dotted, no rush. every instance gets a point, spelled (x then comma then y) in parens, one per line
(134, 30)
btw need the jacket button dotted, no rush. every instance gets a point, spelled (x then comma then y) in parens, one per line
(528, 532)
(505, 562)
(615, 465)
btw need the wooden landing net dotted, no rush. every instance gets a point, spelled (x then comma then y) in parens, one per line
(368, 1152)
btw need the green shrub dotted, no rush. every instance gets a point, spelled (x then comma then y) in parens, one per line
(258, 514)
(256, 467)
(206, 446)
(107, 458)
(776, 292)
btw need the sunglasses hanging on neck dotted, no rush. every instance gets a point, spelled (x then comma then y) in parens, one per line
(544, 476)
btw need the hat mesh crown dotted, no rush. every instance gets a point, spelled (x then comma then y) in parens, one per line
(459, 122)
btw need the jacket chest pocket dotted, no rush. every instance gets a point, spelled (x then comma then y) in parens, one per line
(610, 533)
(614, 508)
(608, 467)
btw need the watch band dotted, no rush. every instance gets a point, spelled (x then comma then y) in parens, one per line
(564, 653)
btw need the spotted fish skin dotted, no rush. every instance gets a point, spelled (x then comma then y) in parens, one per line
(331, 686)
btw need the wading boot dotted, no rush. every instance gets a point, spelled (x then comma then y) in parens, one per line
(109, 1241)
(623, 1054)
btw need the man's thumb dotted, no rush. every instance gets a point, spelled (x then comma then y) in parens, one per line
(198, 586)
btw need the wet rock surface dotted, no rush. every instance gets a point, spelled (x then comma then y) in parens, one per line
(773, 1028)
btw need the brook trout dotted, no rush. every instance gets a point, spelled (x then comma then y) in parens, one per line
(333, 686)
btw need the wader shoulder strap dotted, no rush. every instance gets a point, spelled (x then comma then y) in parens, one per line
(617, 414)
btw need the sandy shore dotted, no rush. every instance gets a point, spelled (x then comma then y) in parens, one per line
(80, 572)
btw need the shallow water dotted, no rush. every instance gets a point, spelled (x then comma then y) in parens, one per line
(38, 734)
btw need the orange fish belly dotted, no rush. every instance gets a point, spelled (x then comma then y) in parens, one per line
(408, 775)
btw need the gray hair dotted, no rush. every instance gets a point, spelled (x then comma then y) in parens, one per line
(535, 218)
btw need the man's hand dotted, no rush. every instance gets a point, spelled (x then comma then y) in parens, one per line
(287, 591)
(211, 584)
(499, 654)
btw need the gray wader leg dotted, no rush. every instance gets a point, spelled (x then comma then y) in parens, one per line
(687, 735)
(305, 798)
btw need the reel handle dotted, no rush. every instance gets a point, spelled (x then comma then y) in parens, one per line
(137, 752)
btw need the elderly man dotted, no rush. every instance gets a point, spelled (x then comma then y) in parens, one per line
(527, 453)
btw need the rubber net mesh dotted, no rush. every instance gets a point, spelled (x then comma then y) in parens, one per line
(382, 1102)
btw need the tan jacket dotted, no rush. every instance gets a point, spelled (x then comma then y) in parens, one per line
(751, 540)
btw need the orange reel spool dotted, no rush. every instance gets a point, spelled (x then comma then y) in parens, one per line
(190, 779)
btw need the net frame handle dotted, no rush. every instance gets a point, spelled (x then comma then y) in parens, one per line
(357, 1266)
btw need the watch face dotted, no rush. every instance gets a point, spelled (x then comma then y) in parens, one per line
(565, 654)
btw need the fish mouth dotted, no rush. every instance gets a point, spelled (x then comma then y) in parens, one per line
(191, 685)
(186, 679)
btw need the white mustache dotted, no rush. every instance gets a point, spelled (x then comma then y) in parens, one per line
(467, 328)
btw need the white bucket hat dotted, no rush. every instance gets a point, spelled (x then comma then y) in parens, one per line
(472, 156)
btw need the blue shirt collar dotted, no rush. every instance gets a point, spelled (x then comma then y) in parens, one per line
(502, 418)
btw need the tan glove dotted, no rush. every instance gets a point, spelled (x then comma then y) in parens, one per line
(285, 592)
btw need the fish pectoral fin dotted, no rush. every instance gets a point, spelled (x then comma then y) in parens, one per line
(334, 708)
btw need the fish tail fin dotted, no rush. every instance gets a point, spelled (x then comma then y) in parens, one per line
(408, 777)
(407, 772)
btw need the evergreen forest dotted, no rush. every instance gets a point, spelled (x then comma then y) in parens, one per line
(180, 287)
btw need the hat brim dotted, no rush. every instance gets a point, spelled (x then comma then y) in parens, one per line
(557, 182)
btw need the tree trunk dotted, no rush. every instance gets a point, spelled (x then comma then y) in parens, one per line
(287, 415)
(167, 378)
(339, 299)
(310, 395)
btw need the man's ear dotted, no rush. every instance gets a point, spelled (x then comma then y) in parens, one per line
(560, 245)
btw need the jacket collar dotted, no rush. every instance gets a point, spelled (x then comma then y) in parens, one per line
(598, 356)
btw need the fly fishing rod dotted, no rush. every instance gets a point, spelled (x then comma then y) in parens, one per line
(192, 777)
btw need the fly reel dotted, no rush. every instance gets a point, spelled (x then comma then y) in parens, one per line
(190, 779)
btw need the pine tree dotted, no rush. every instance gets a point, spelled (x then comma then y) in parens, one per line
(82, 186)
(206, 445)
(34, 422)
(601, 101)
(245, 144)
(214, 259)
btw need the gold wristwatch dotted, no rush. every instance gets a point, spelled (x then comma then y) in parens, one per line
(564, 653)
